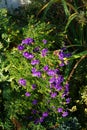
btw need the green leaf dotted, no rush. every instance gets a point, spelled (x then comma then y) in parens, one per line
(65, 8)
(78, 55)
(70, 19)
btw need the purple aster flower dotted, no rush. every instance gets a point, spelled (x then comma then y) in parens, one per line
(67, 100)
(58, 87)
(28, 41)
(67, 55)
(35, 62)
(45, 114)
(57, 71)
(61, 55)
(28, 55)
(52, 80)
(60, 79)
(27, 94)
(61, 64)
(22, 82)
(60, 109)
(53, 95)
(41, 119)
(64, 114)
(52, 85)
(44, 52)
(51, 72)
(67, 87)
(33, 70)
(34, 86)
(37, 74)
(36, 121)
(34, 102)
(66, 92)
(44, 41)
(20, 47)
(36, 49)
(45, 68)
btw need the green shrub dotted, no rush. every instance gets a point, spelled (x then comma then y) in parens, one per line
(33, 70)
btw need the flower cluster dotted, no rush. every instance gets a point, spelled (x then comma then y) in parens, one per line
(47, 82)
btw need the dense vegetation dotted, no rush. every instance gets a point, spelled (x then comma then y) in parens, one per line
(43, 66)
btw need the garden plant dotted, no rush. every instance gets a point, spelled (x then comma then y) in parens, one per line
(43, 66)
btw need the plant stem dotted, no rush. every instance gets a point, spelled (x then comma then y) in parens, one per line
(74, 68)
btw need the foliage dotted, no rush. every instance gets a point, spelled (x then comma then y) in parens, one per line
(74, 34)
(54, 23)
(10, 33)
(71, 123)
(84, 95)
(24, 12)
(78, 104)
(33, 70)
(38, 30)
(75, 22)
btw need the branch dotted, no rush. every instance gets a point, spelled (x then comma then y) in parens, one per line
(74, 68)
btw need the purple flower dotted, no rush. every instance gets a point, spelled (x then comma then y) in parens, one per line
(66, 92)
(36, 49)
(44, 41)
(33, 70)
(44, 52)
(64, 114)
(53, 95)
(22, 82)
(52, 85)
(60, 79)
(34, 86)
(67, 100)
(20, 47)
(61, 64)
(36, 121)
(61, 55)
(37, 74)
(58, 87)
(45, 68)
(52, 80)
(51, 72)
(35, 62)
(57, 71)
(41, 119)
(34, 102)
(45, 114)
(28, 41)
(60, 109)
(67, 87)
(28, 55)
(67, 55)
(27, 94)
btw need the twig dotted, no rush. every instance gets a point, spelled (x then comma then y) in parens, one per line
(16, 124)
(75, 66)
